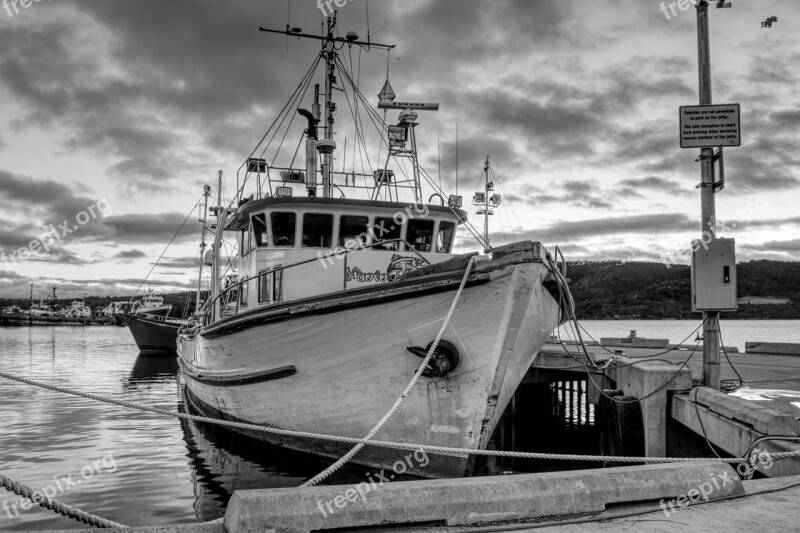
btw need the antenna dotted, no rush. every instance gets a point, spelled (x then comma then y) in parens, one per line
(327, 146)
(439, 150)
(456, 158)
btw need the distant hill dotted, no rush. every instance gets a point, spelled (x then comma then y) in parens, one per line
(609, 289)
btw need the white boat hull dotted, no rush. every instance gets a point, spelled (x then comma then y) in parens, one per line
(351, 364)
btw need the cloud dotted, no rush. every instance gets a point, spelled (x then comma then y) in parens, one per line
(128, 256)
(787, 119)
(790, 246)
(179, 262)
(654, 184)
(569, 232)
(136, 228)
(47, 205)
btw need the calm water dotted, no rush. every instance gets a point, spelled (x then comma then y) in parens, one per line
(143, 469)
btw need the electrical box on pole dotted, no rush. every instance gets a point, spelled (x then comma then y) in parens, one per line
(714, 275)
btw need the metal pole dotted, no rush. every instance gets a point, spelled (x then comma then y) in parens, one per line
(330, 55)
(215, 269)
(711, 369)
(206, 193)
(486, 204)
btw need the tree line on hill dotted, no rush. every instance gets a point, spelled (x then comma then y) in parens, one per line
(609, 289)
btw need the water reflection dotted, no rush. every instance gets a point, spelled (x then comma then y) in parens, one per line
(153, 369)
(223, 461)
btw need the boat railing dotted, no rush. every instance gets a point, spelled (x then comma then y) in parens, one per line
(260, 170)
(281, 268)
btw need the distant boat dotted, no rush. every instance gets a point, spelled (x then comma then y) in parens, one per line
(149, 304)
(38, 314)
(78, 312)
(45, 313)
(154, 334)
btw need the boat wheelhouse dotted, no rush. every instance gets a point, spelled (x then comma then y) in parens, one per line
(390, 238)
(151, 304)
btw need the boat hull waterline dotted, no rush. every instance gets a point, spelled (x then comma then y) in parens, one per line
(338, 371)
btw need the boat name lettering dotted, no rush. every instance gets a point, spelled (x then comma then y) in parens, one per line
(355, 274)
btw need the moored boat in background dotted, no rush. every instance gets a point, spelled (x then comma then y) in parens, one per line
(153, 333)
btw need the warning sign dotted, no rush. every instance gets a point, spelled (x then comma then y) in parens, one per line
(708, 126)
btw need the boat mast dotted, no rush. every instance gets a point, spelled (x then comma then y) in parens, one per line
(206, 194)
(486, 201)
(330, 107)
(486, 204)
(327, 145)
(216, 247)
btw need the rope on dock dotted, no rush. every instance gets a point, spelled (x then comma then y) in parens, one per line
(48, 503)
(357, 448)
(383, 444)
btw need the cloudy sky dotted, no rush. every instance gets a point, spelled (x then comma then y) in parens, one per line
(131, 106)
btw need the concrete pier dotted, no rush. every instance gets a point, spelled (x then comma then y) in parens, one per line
(469, 500)
(776, 348)
(633, 342)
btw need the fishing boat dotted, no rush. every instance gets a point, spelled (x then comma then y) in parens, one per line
(152, 329)
(343, 280)
(78, 312)
(153, 334)
(13, 316)
(43, 313)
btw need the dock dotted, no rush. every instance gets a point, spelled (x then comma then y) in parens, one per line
(673, 410)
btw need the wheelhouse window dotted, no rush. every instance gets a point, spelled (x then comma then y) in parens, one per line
(386, 229)
(270, 286)
(277, 285)
(444, 237)
(283, 228)
(317, 230)
(243, 293)
(420, 234)
(259, 229)
(246, 241)
(264, 287)
(353, 228)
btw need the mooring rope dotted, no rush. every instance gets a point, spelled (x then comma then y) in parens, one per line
(378, 443)
(48, 503)
(357, 448)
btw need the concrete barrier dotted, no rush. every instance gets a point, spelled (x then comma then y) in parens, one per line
(699, 347)
(634, 342)
(469, 500)
(774, 348)
(552, 339)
